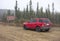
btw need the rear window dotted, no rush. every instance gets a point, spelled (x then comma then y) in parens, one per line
(47, 20)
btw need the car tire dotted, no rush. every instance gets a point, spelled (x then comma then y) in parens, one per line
(25, 27)
(47, 30)
(38, 29)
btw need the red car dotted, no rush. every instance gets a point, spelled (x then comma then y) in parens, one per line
(39, 24)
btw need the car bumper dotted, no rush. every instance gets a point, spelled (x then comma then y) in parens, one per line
(45, 28)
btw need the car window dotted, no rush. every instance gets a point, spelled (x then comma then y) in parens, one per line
(40, 20)
(44, 20)
(33, 20)
(47, 21)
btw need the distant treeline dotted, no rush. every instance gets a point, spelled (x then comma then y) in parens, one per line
(29, 13)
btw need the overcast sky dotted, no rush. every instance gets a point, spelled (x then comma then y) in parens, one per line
(10, 4)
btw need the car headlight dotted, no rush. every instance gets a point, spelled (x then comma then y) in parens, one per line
(47, 24)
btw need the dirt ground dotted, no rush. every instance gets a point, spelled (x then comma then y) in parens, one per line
(12, 33)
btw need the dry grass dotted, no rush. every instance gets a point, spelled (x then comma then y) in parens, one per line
(11, 33)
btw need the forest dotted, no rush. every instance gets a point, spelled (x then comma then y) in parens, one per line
(29, 13)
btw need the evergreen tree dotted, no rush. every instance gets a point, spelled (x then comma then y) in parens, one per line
(46, 13)
(18, 14)
(16, 9)
(27, 9)
(37, 13)
(30, 6)
(4, 18)
(56, 18)
(24, 14)
(27, 13)
(53, 17)
(49, 15)
(41, 12)
(31, 11)
(8, 13)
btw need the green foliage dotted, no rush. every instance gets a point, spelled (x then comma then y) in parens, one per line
(8, 13)
(4, 17)
(16, 10)
(29, 13)
(37, 12)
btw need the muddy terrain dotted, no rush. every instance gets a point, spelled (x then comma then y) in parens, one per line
(12, 33)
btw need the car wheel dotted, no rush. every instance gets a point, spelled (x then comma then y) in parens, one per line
(47, 30)
(38, 29)
(25, 27)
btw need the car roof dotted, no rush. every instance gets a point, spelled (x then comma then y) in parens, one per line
(39, 18)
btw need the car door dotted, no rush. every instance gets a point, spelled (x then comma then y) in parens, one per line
(32, 23)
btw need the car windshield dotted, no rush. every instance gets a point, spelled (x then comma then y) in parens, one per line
(47, 20)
